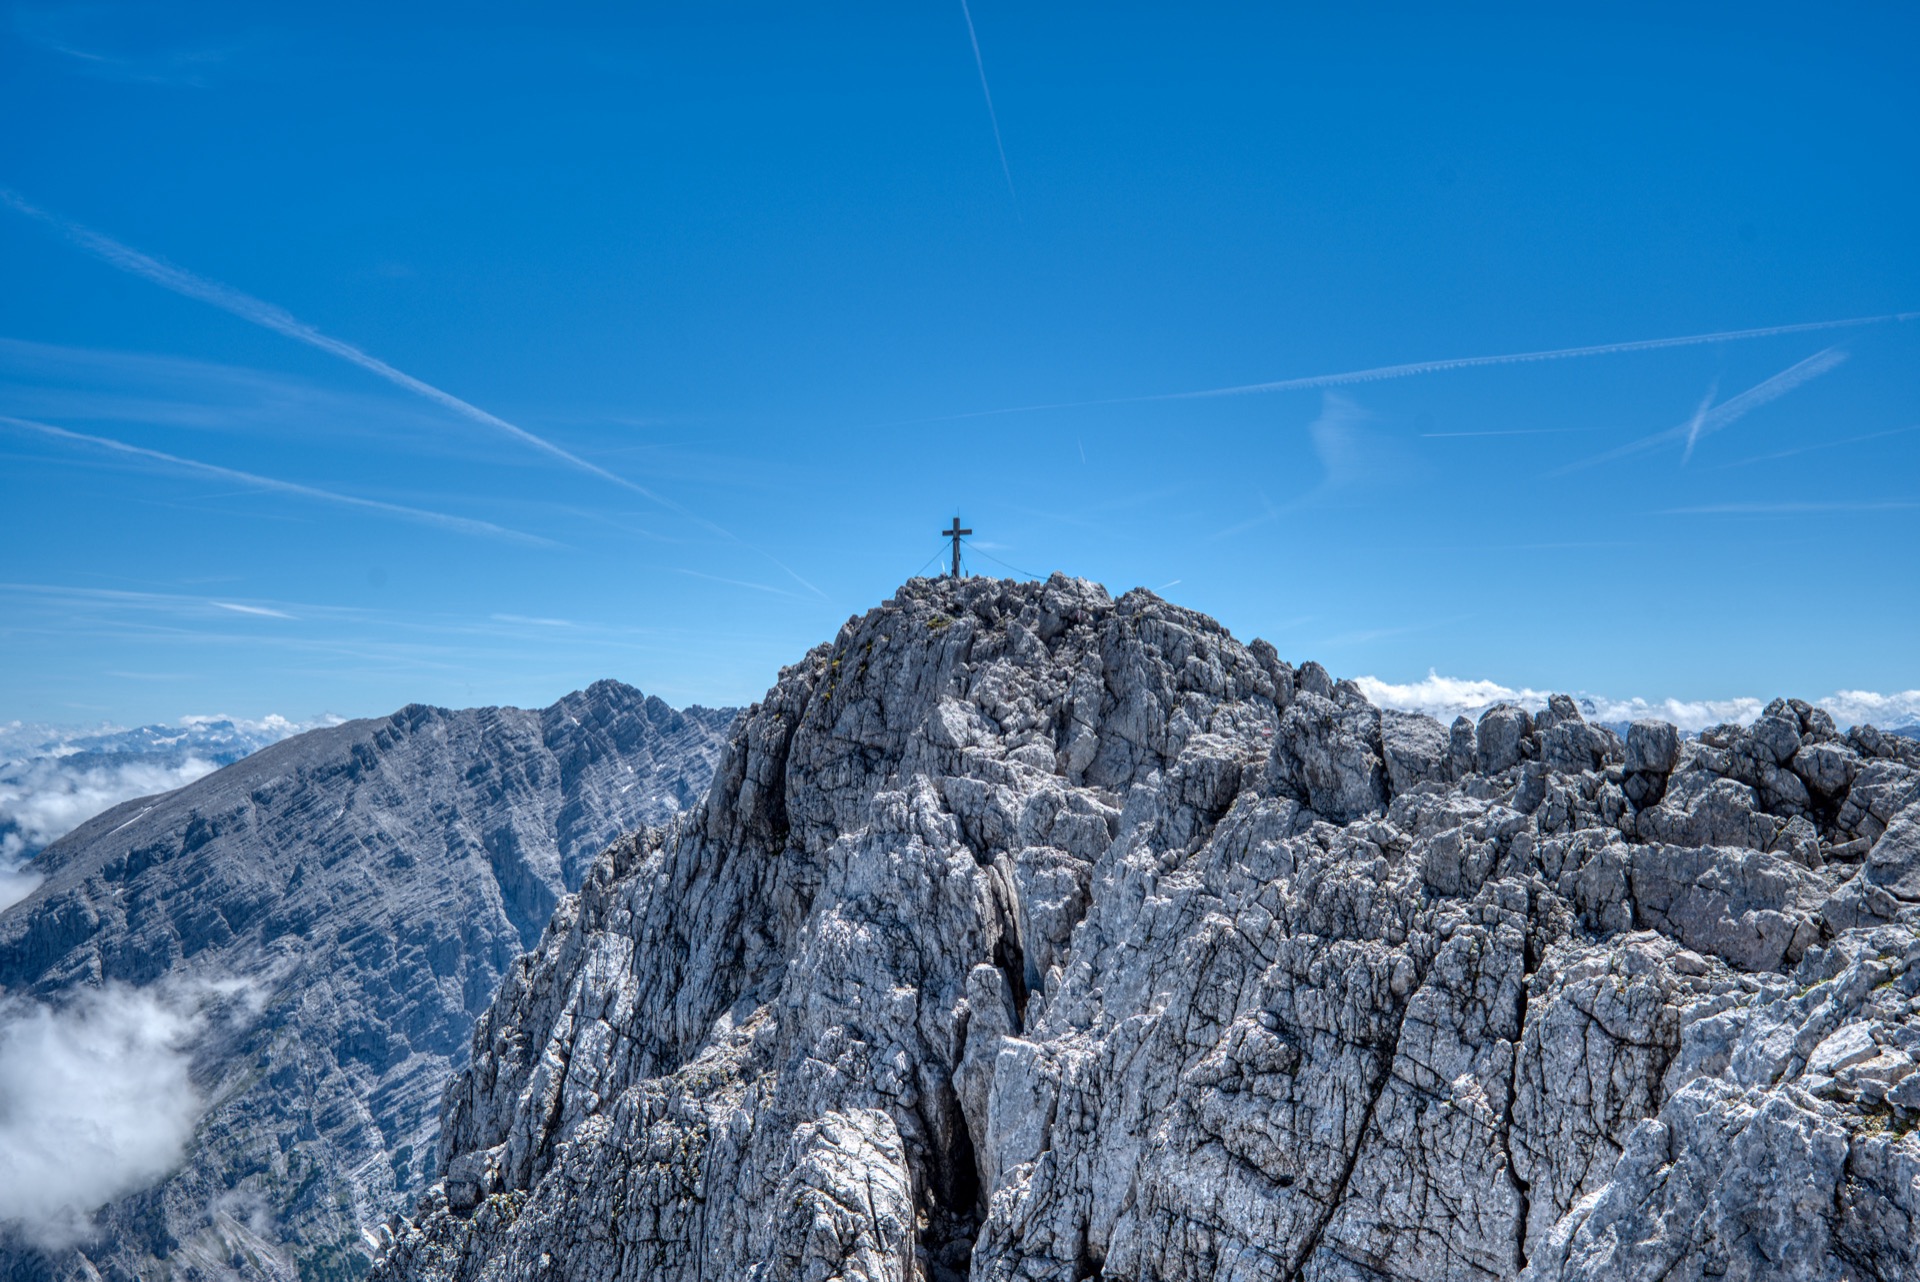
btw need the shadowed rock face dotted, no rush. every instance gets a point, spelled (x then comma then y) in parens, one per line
(353, 895)
(1028, 934)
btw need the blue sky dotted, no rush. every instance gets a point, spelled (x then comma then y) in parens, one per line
(352, 356)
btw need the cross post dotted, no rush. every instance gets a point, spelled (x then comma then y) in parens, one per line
(954, 533)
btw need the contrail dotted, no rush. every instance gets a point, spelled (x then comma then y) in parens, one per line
(740, 583)
(260, 611)
(465, 525)
(993, 117)
(268, 316)
(281, 321)
(1819, 445)
(1735, 408)
(1699, 417)
(1383, 373)
(1724, 414)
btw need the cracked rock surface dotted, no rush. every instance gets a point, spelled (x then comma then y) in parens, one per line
(1027, 934)
(366, 885)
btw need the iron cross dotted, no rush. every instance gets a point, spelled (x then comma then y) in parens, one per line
(954, 534)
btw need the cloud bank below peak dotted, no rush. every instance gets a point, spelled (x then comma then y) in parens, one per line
(53, 779)
(1445, 698)
(96, 1097)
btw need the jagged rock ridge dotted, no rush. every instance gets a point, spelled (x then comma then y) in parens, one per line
(1028, 934)
(370, 882)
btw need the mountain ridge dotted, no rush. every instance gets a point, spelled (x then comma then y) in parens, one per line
(1031, 934)
(319, 923)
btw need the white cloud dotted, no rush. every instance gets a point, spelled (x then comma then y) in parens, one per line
(16, 883)
(44, 800)
(1444, 697)
(268, 729)
(1350, 445)
(1851, 707)
(53, 779)
(1448, 697)
(95, 1103)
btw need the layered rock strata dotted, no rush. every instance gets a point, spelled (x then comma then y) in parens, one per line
(348, 899)
(1029, 934)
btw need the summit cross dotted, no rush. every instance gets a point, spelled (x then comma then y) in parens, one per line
(955, 533)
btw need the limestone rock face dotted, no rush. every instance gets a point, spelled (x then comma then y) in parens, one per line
(366, 885)
(1031, 935)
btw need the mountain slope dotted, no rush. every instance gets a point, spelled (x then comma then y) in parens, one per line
(1027, 934)
(336, 910)
(53, 778)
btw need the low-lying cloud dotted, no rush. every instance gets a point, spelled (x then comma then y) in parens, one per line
(1445, 698)
(42, 801)
(54, 779)
(96, 1100)
(16, 883)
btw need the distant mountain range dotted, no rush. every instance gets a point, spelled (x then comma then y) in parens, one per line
(219, 739)
(1019, 932)
(228, 1012)
(53, 778)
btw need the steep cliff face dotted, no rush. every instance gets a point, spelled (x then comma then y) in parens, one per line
(1027, 934)
(347, 900)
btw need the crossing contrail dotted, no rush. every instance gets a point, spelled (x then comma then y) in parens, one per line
(1699, 420)
(1725, 414)
(465, 525)
(1384, 373)
(993, 117)
(280, 321)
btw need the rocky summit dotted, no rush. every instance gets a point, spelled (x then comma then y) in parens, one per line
(1031, 934)
(337, 909)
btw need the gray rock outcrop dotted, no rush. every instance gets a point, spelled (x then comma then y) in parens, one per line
(362, 888)
(1031, 935)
